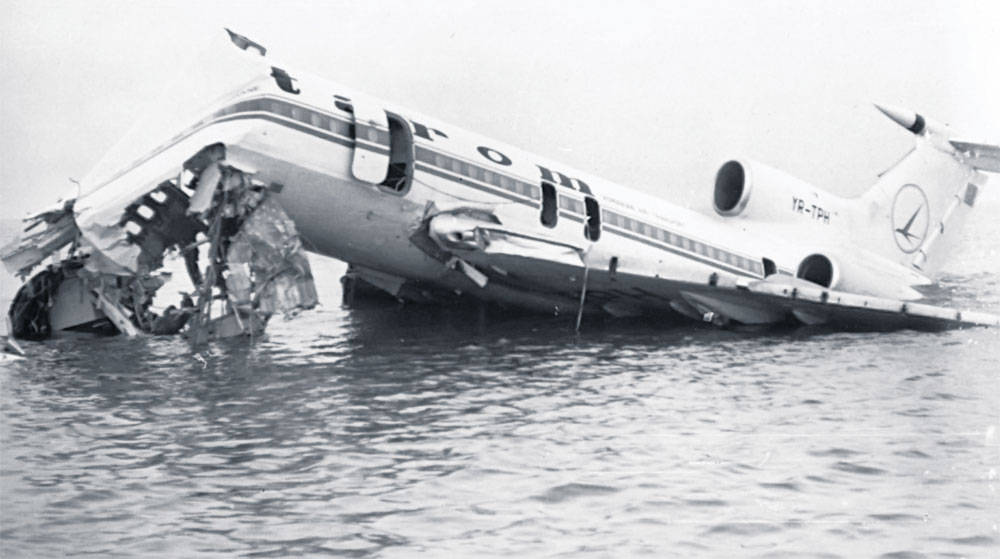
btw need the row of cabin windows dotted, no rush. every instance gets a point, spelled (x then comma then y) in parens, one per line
(571, 204)
(398, 138)
(307, 116)
(397, 181)
(685, 243)
(476, 172)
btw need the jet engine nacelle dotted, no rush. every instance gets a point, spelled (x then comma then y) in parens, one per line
(752, 190)
(866, 276)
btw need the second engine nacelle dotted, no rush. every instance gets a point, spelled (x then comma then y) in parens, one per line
(754, 190)
(867, 276)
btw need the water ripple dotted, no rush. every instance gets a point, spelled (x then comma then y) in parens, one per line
(366, 433)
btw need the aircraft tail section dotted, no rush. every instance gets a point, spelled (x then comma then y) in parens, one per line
(914, 212)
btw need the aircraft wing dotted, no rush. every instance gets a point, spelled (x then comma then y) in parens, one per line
(561, 273)
(813, 304)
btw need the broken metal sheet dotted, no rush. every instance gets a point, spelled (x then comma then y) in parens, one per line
(116, 315)
(112, 251)
(22, 255)
(267, 266)
(104, 224)
(287, 292)
(69, 296)
(103, 215)
(208, 181)
(73, 305)
(51, 215)
(162, 220)
(256, 263)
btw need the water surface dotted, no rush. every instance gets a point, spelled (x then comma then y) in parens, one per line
(388, 432)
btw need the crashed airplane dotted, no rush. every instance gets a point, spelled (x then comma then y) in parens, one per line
(257, 162)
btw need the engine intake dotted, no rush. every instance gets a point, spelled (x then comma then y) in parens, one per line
(732, 189)
(752, 190)
(818, 269)
(867, 275)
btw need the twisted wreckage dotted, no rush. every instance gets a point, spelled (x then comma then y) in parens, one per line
(269, 159)
(254, 264)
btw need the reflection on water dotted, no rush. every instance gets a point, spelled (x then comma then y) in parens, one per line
(397, 432)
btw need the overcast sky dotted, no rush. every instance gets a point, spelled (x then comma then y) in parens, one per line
(653, 95)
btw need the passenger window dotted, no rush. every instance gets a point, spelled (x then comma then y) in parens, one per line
(592, 229)
(550, 209)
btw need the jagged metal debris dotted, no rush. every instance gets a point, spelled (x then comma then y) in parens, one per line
(256, 266)
(268, 269)
(22, 255)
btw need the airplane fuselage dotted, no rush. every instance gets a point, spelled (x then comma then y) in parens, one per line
(425, 210)
(362, 179)
(304, 144)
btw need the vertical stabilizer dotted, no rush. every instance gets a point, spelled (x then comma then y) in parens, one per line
(913, 213)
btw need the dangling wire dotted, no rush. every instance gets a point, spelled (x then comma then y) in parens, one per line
(583, 295)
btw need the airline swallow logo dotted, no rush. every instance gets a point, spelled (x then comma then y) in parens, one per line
(910, 218)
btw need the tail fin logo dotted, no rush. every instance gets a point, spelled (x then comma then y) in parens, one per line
(910, 218)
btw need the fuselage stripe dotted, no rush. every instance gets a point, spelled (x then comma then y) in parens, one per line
(463, 181)
(335, 129)
(670, 249)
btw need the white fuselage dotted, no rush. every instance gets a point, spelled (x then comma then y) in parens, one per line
(304, 145)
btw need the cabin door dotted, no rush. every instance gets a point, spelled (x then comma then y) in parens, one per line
(371, 143)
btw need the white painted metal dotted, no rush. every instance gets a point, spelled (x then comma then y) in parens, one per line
(371, 143)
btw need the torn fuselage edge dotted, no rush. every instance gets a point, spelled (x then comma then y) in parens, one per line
(117, 250)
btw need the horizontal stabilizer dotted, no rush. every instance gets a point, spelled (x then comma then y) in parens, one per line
(984, 157)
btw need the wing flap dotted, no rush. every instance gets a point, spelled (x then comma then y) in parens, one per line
(815, 305)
